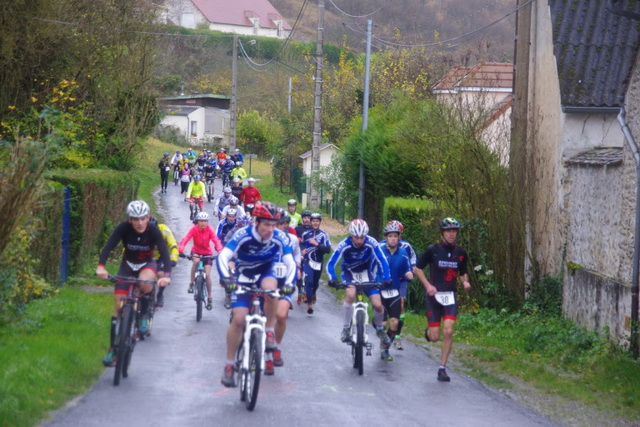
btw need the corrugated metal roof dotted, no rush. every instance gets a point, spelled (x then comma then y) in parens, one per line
(482, 75)
(598, 157)
(595, 51)
(238, 12)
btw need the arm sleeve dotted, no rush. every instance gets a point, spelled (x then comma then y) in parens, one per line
(386, 274)
(223, 262)
(164, 250)
(291, 267)
(188, 195)
(171, 243)
(325, 245)
(462, 268)
(115, 237)
(216, 241)
(331, 265)
(185, 240)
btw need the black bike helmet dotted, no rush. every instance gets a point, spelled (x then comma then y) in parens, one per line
(305, 213)
(449, 224)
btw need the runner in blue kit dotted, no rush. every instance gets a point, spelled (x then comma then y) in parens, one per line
(316, 244)
(256, 251)
(447, 262)
(401, 272)
(362, 261)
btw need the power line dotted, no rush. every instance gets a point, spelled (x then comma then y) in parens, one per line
(472, 33)
(360, 16)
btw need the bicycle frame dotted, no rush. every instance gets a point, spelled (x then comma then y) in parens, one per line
(359, 305)
(253, 320)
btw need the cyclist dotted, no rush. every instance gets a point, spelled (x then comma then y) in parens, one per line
(190, 155)
(401, 272)
(446, 262)
(227, 166)
(175, 159)
(284, 304)
(202, 235)
(239, 172)
(209, 173)
(221, 201)
(227, 225)
(233, 204)
(201, 161)
(361, 259)
(139, 239)
(170, 239)
(221, 155)
(295, 216)
(316, 244)
(165, 168)
(250, 194)
(236, 188)
(397, 343)
(255, 250)
(237, 156)
(300, 229)
(185, 177)
(195, 194)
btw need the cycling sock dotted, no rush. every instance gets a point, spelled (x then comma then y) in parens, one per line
(400, 323)
(392, 334)
(231, 362)
(348, 314)
(114, 322)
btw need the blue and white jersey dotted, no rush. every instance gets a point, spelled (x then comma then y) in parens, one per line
(407, 247)
(367, 258)
(255, 256)
(316, 253)
(224, 227)
(399, 264)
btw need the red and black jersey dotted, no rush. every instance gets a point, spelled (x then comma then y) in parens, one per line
(445, 263)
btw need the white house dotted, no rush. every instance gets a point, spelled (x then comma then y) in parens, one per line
(244, 17)
(486, 88)
(202, 118)
(327, 151)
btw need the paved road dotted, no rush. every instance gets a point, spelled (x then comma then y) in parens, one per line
(175, 375)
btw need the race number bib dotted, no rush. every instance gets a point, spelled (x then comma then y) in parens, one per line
(445, 298)
(360, 276)
(136, 267)
(389, 293)
(246, 279)
(315, 265)
(167, 168)
(280, 270)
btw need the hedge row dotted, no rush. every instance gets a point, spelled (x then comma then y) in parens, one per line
(98, 201)
(47, 246)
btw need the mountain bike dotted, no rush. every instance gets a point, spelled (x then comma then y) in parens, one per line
(196, 209)
(128, 322)
(359, 324)
(250, 361)
(210, 188)
(200, 284)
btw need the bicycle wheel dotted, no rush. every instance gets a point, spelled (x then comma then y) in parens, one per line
(199, 296)
(255, 369)
(359, 345)
(241, 374)
(125, 321)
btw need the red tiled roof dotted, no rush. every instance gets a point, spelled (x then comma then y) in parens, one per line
(484, 74)
(237, 12)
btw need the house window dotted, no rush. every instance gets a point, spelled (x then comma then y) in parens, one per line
(194, 129)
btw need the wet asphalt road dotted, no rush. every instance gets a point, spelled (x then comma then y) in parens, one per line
(174, 377)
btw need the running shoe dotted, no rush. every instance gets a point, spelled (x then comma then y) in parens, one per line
(144, 325)
(268, 368)
(384, 355)
(309, 310)
(228, 376)
(277, 358)
(385, 342)
(110, 359)
(442, 375)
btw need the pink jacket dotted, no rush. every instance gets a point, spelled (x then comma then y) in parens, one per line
(201, 239)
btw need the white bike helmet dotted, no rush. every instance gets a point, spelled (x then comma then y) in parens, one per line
(227, 190)
(358, 228)
(137, 209)
(233, 200)
(202, 216)
(232, 212)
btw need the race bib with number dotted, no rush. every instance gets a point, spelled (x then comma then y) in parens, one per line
(360, 276)
(315, 265)
(167, 168)
(389, 293)
(136, 267)
(445, 298)
(280, 270)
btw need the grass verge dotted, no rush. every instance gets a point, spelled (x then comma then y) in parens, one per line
(51, 354)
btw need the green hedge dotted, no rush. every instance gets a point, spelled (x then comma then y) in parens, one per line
(47, 248)
(98, 201)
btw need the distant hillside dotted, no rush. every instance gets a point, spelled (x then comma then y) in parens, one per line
(415, 21)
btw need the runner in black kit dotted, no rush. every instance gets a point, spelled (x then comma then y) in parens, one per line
(446, 262)
(139, 240)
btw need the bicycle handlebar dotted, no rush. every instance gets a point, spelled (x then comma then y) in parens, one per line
(190, 257)
(248, 289)
(361, 285)
(115, 279)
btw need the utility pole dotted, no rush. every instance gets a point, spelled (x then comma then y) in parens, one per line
(365, 118)
(234, 95)
(314, 201)
(289, 97)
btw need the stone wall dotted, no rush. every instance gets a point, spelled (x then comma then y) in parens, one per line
(598, 303)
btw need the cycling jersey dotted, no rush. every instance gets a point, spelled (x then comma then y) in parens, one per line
(359, 264)
(168, 237)
(201, 240)
(176, 159)
(316, 253)
(255, 256)
(209, 172)
(138, 247)
(196, 190)
(399, 264)
(249, 195)
(236, 190)
(295, 219)
(221, 201)
(228, 166)
(407, 247)
(224, 228)
(445, 263)
(239, 172)
(185, 175)
(240, 210)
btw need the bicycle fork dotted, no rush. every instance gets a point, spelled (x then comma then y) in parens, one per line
(253, 321)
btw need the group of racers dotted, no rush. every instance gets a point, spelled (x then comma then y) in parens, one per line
(259, 243)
